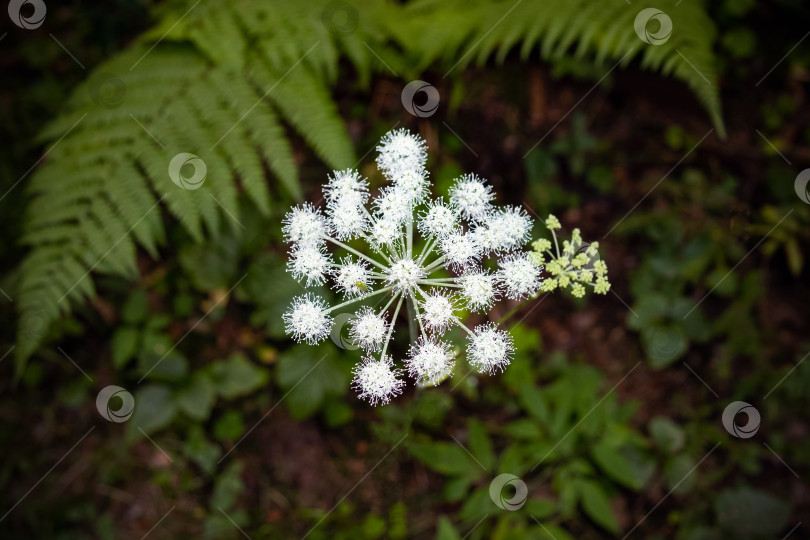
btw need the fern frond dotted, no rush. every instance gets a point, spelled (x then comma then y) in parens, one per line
(582, 28)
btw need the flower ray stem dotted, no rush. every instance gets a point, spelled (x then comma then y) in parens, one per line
(426, 250)
(463, 326)
(434, 264)
(429, 282)
(391, 327)
(359, 298)
(352, 250)
(391, 301)
(410, 305)
(418, 316)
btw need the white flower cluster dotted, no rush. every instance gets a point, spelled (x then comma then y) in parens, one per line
(427, 253)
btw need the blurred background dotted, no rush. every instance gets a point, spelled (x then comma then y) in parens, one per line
(673, 133)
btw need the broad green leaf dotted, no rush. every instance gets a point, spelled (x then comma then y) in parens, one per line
(446, 531)
(200, 450)
(480, 443)
(228, 487)
(196, 399)
(667, 434)
(136, 307)
(154, 409)
(552, 532)
(523, 429)
(540, 508)
(597, 505)
(237, 376)
(444, 457)
(229, 426)
(677, 475)
(614, 465)
(124, 344)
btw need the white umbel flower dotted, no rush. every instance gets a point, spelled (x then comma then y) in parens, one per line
(308, 319)
(430, 361)
(347, 217)
(489, 349)
(438, 221)
(438, 311)
(344, 184)
(400, 152)
(420, 255)
(503, 230)
(460, 250)
(304, 224)
(393, 205)
(404, 275)
(384, 233)
(309, 262)
(413, 184)
(471, 197)
(519, 276)
(368, 329)
(352, 278)
(376, 380)
(478, 290)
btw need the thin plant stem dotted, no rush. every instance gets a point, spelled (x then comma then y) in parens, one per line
(427, 249)
(434, 284)
(360, 298)
(462, 325)
(419, 316)
(435, 264)
(391, 327)
(393, 297)
(352, 250)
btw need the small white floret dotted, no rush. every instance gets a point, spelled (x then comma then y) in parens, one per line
(438, 311)
(401, 151)
(460, 250)
(368, 330)
(352, 277)
(478, 289)
(304, 224)
(471, 197)
(307, 319)
(430, 361)
(376, 380)
(403, 275)
(489, 349)
(438, 220)
(309, 262)
(519, 276)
